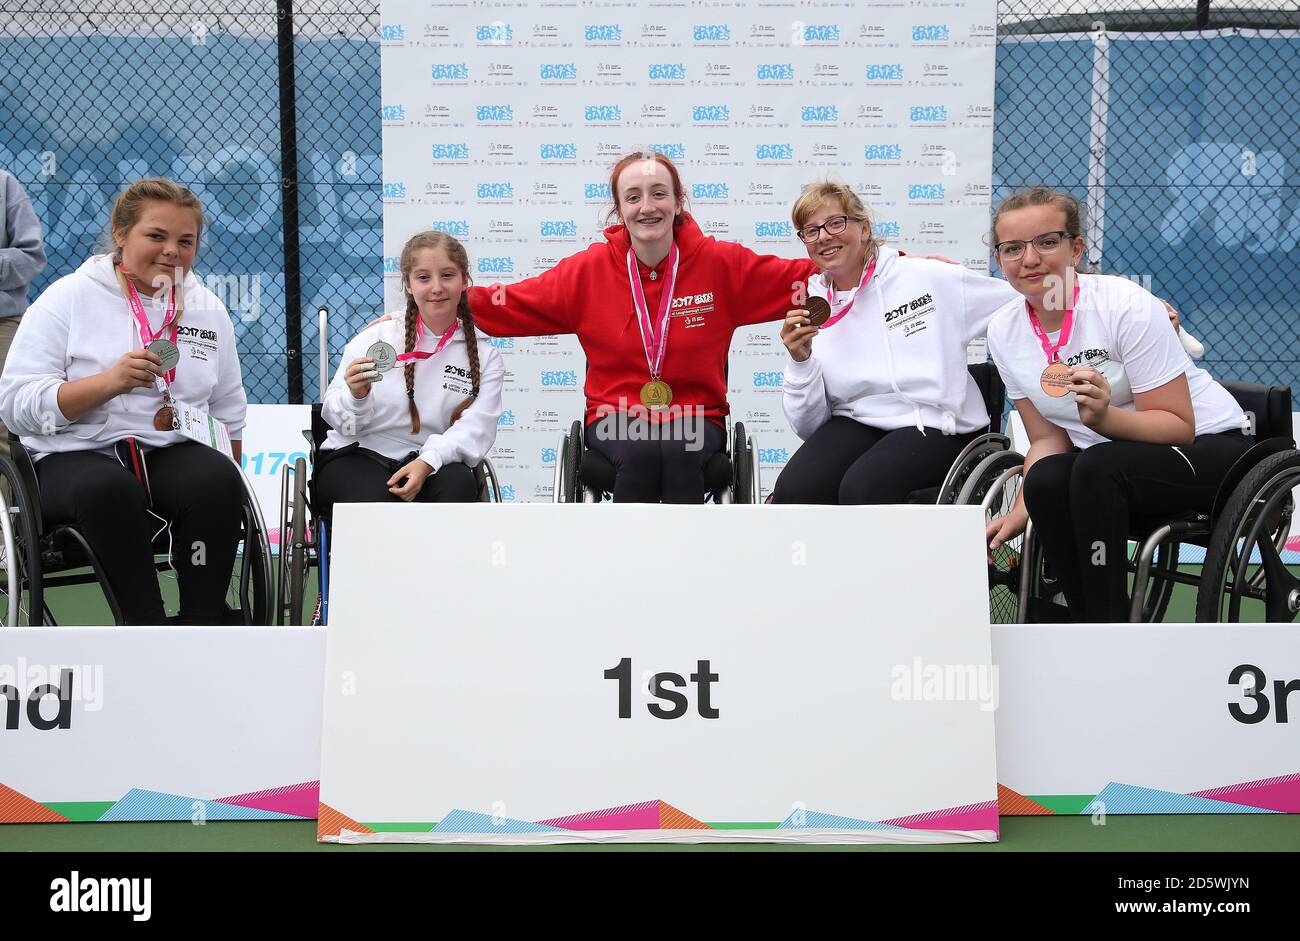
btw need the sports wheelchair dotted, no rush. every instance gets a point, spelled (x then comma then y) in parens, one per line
(1243, 534)
(305, 531)
(985, 474)
(585, 475)
(38, 557)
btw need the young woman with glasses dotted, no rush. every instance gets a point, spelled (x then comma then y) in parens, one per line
(883, 402)
(1120, 421)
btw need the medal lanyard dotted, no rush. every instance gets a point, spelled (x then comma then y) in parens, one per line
(419, 335)
(1067, 324)
(654, 342)
(147, 335)
(866, 276)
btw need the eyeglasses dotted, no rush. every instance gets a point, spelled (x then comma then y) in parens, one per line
(1045, 244)
(833, 226)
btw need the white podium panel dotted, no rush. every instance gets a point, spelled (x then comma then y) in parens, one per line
(538, 673)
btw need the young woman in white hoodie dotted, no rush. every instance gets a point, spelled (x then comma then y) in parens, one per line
(416, 398)
(102, 356)
(883, 402)
(1120, 421)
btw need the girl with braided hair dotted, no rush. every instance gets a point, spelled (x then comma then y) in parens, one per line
(412, 425)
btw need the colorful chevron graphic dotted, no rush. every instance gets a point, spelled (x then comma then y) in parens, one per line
(291, 802)
(1277, 795)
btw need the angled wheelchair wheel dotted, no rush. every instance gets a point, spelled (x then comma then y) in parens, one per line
(21, 597)
(253, 584)
(994, 484)
(1244, 577)
(971, 457)
(572, 458)
(742, 480)
(294, 550)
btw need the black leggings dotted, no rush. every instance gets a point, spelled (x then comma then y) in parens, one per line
(194, 487)
(1082, 503)
(667, 468)
(355, 476)
(845, 462)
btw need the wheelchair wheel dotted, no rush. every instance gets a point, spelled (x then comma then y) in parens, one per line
(21, 597)
(990, 484)
(1160, 590)
(1244, 577)
(572, 457)
(254, 592)
(742, 480)
(971, 457)
(294, 544)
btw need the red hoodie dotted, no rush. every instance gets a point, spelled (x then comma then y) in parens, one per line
(720, 286)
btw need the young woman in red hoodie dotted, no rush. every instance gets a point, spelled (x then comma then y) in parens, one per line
(654, 307)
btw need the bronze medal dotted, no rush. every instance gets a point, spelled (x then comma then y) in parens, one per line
(1055, 380)
(165, 419)
(819, 310)
(656, 394)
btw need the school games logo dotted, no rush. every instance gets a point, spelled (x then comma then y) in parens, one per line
(394, 192)
(392, 113)
(775, 72)
(506, 420)
(602, 114)
(495, 114)
(450, 151)
(595, 192)
(602, 34)
(931, 33)
(454, 227)
(450, 71)
(558, 72)
(882, 153)
(888, 229)
(671, 151)
(771, 152)
(710, 192)
(710, 114)
(773, 229)
(667, 72)
(559, 379)
(391, 33)
(559, 229)
(773, 456)
(501, 343)
(712, 33)
(768, 379)
(495, 264)
(820, 114)
(925, 192)
(554, 152)
(821, 33)
(928, 114)
(885, 72)
(495, 192)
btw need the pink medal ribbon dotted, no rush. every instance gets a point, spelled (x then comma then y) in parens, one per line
(866, 276)
(1067, 324)
(147, 335)
(654, 341)
(419, 335)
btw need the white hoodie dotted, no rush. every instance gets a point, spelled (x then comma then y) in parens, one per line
(80, 326)
(898, 358)
(381, 421)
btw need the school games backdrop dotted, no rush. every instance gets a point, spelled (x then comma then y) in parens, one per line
(501, 123)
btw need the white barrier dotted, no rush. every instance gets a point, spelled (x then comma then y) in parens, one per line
(667, 694)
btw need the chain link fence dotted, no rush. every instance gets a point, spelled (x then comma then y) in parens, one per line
(1176, 122)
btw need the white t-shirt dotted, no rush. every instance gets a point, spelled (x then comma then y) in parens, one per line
(1124, 333)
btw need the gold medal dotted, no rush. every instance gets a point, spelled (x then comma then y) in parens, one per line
(656, 394)
(819, 310)
(1055, 380)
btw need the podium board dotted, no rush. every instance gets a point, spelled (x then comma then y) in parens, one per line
(554, 674)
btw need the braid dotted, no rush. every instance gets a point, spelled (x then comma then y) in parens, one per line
(471, 349)
(412, 314)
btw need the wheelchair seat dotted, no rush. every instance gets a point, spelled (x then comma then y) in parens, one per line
(596, 470)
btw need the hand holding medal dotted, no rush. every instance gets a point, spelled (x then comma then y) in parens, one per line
(365, 370)
(137, 369)
(1091, 394)
(798, 331)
